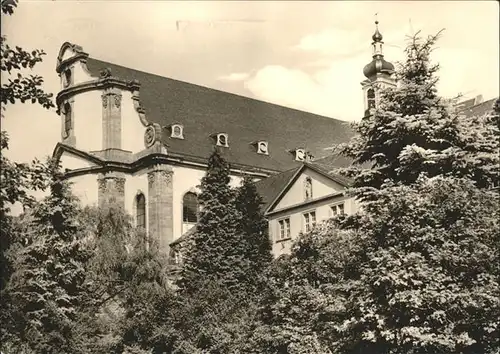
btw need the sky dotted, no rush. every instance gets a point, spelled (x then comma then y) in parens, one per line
(301, 54)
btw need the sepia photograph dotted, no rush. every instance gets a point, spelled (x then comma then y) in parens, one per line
(261, 177)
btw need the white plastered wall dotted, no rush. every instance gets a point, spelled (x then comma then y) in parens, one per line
(132, 137)
(321, 186)
(323, 212)
(87, 113)
(85, 188)
(72, 162)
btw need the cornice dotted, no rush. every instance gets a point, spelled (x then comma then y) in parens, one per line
(309, 203)
(80, 54)
(98, 84)
(151, 160)
(67, 62)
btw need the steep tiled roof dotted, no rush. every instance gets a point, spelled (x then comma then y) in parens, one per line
(479, 109)
(269, 188)
(204, 111)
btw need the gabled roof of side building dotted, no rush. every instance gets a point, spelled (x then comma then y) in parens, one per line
(273, 187)
(204, 112)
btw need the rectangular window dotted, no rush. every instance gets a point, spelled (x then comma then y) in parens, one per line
(284, 229)
(309, 220)
(338, 209)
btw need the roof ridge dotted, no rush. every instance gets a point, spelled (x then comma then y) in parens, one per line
(218, 90)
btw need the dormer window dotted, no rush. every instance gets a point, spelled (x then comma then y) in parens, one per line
(222, 140)
(262, 148)
(177, 131)
(300, 155)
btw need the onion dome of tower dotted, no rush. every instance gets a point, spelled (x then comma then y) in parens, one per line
(378, 65)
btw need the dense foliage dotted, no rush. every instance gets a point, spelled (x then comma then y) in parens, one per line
(253, 229)
(48, 283)
(223, 267)
(215, 251)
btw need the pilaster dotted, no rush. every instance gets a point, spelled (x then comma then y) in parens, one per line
(160, 206)
(111, 189)
(111, 118)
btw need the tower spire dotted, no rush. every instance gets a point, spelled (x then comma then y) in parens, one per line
(378, 72)
(378, 64)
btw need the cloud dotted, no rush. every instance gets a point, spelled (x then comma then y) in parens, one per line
(329, 92)
(332, 41)
(234, 77)
(333, 87)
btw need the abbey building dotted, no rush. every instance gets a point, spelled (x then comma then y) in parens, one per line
(143, 141)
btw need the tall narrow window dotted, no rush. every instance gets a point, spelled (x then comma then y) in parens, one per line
(337, 209)
(284, 225)
(140, 209)
(67, 78)
(309, 220)
(190, 207)
(68, 123)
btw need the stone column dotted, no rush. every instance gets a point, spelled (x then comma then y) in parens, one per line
(111, 189)
(160, 206)
(111, 119)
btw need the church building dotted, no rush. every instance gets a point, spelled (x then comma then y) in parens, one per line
(143, 141)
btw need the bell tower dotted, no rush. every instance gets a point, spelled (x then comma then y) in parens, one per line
(378, 73)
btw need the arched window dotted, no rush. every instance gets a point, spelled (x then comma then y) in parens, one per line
(68, 124)
(67, 78)
(190, 207)
(140, 210)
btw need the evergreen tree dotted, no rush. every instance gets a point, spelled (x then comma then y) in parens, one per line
(215, 251)
(414, 131)
(47, 287)
(253, 228)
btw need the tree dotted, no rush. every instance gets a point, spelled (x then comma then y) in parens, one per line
(219, 276)
(215, 251)
(17, 179)
(429, 279)
(127, 285)
(47, 287)
(253, 228)
(22, 88)
(413, 132)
